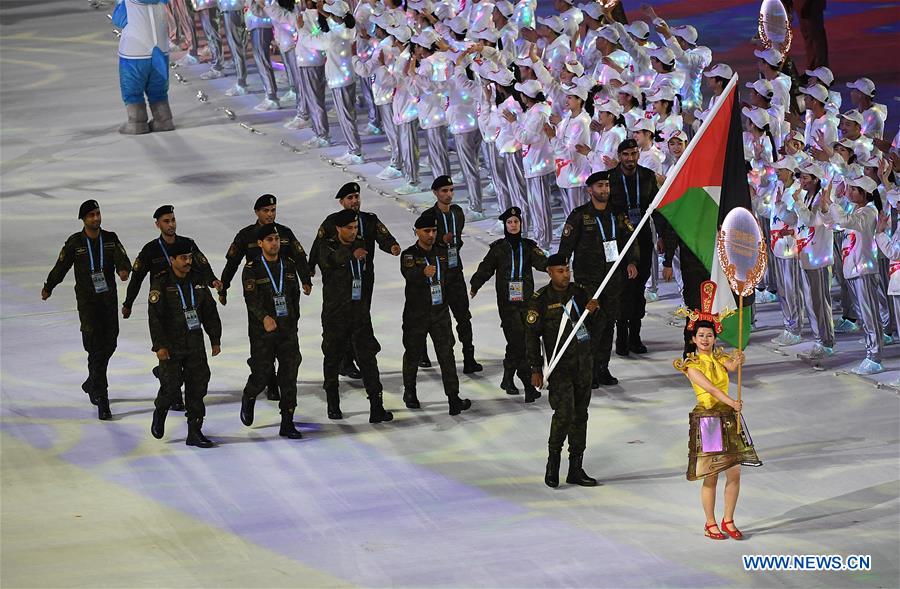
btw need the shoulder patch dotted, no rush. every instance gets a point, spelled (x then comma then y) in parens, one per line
(409, 261)
(232, 250)
(321, 232)
(62, 254)
(154, 296)
(137, 264)
(249, 285)
(382, 229)
(203, 260)
(567, 230)
(532, 316)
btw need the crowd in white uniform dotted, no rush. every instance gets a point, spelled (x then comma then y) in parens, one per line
(535, 102)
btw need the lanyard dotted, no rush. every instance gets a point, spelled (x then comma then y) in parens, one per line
(356, 268)
(437, 264)
(162, 246)
(447, 225)
(602, 231)
(512, 273)
(181, 294)
(91, 253)
(637, 183)
(362, 232)
(280, 277)
(574, 306)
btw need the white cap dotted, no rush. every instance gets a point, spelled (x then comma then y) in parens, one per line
(664, 54)
(524, 61)
(442, 11)
(338, 8)
(757, 116)
(609, 33)
(720, 70)
(458, 25)
(869, 161)
(569, 2)
(644, 124)
(426, 38)
(630, 88)
(676, 134)
(763, 87)
(488, 34)
(855, 116)
(402, 33)
(770, 56)
(593, 10)
(576, 89)
(573, 65)
(663, 92)
(607, 105)
(867, 184)
(638, 29)
(864, 85)
(419, 5)
(846, 144)
(812, 168)
(611, 75)
(686, 32)
(823, 74)
(786, 163)
(796, 136)
(530, 88)
(505, 8)
(492, 72)
(817, 91)
(555, 23)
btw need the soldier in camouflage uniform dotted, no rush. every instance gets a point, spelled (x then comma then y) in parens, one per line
(562, 301)
(245, 247)
(180, 305)
(345, 314)
(98, 256)
(272, 284)
(509, 261)
(424, 265)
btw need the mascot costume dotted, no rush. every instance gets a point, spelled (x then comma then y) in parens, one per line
(144, 64)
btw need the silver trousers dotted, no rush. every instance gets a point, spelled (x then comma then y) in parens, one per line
(895, 307)
(312, 98)
(236, 35)
(209, 22)
(262, 39)
(289, 57)
(386, 113)
(496, 166)
(467, 146)
(409, 151)
(848, 304)
(790, 295)
(514, 184)
(573, 198)
(369, 99)
(817, 284)
(865, 290)
(888, 316)
(541, 216)
(345, 106)
(438, 152)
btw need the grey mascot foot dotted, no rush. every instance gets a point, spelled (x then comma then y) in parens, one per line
(162, 117)
(137, 120)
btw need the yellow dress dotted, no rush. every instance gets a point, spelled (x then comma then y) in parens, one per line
(714, 444)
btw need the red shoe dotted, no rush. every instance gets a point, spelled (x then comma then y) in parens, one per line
(736, 534)
(714, 535)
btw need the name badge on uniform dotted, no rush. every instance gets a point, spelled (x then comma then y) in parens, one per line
(515, 291)
(582, 334)
(611, 249)
(634, 216)
(437, 296)
(281, 309)
(452, 257)
(192, 320)
(356, 293)
(99, 281)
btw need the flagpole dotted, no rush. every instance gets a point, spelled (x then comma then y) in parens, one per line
(670, 178)
(740, 346)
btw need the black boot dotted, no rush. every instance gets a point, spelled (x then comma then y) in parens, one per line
(348, 368)
(634, 337)
(158, 426)
(595, 378)
(551, 476)
(424, 362)
(458, 405)
(87, 387)
(622, 338)
(178, 403)
(195, 436)
(247, 406)
(334, 405)
(411, 400)
(288, 429)
(531, 393)
(576, 475)
(605, 378)
(377, 413)
(507, 383)
(272, 392)
(103, 412)
(469, 363)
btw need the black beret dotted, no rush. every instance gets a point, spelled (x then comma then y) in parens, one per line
(347, 189)
(180, 247)
(629, 143)
(266, 200)
(163, 210)
(86, 207)
(597, 176)
(511, 212)
(440, 182)
(344, 217)
(264, 231)
(426, 220)
(557, 259)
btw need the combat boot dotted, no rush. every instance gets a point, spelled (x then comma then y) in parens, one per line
(162, 117)
(411, 400)
(195, 436)
(288, 429)
(334, 405)
(507, 383)
(137, 120)
(87, 387)
(469, 363)
(576, 475)
(622, 338)
(247, 406)
(103, 412)
(634, 337)
(158, 426)
(377, 412)
(551, 476)
(178, 403)
(458, 405)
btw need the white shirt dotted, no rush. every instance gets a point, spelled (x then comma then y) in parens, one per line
(572, 168)
(537, 152)
(606, 144)
(338, 61)
(859, 252)
(815, 241)
(652, 158)
(284, 24)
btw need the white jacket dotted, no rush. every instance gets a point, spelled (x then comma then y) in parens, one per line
(554, 56)
(432, 83)
(605, 144)
(307, 54)
(815, 240)
(692, 63)
(859, 252)
(652, 159)
(405, 102)
(890, 247)
(255, 17)
(462, 115)
(782, 242)
(537, 153)
(553, 90)
(506, 138)
(284, 24)
(370, 67)
(338, 60)
(572, 168)
(231, 4)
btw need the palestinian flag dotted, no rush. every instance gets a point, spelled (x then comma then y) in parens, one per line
(709, 180)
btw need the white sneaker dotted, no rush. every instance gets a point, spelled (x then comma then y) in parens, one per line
(236, 90)
(818, 352)
(475, 215)
(786, 338)
(267, 104)
(372, 130)
(764, 296)
(331, 113)
(497, 229)
(423, 166)
(885, 338)
(349, 159)
(489, 190)
(387, 148)
(212, 74)
(408, 189)
(297, 123)
(458, 178)
(389, 173)
(289, 96)
(204, 53)
(868, 367)
(651, 297)
(845, 326)
(187, 59)
(317, 142)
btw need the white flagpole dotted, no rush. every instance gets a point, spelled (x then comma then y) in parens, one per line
(558, 351)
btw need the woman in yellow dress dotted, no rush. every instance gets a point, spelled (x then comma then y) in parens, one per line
(714, 444)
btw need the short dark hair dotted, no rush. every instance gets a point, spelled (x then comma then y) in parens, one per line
(700, 324)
